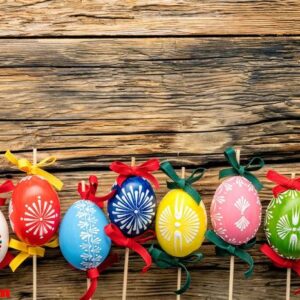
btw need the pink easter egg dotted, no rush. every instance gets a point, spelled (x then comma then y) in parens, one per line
(236, 210)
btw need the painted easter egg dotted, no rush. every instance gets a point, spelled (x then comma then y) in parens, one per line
(236, 210)
(82, 239)
(180, 223)
(282, 224)
(4, 236)
(34, 211)
(133, 206)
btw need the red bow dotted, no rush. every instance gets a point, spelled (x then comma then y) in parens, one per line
(281, 262)
(142, 170)
(94, 273)
(284, 183)
(132, 243)
(5, 187)
(90, 192)
(6, 260)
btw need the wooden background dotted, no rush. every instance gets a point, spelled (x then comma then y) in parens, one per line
(96, 81)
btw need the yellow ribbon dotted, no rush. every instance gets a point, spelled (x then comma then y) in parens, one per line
(27, 251)
(25, 165)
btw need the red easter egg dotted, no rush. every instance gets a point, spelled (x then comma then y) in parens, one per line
(34, 211)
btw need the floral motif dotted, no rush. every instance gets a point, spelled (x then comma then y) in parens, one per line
(39, 217)
(87, 222)
(182, 223)
(134, 209)
(242, 204)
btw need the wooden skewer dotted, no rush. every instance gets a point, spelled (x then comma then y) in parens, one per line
(34, 260)
(179, 269)
(126, 258)
(288, 271)
(88, 281)
(231, 272)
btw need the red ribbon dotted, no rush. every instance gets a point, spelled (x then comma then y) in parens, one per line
(6, 260)
(93, 275)
(5, 187)
(281, 262)
(120, 239)
(142, 170)
(283, 183)
(90, 192)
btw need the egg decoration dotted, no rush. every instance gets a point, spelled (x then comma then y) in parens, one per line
(132, 208)
(282, 224)
(236, 210)
(34, 210)
(180, 223)
(4, 237)
(82, 239)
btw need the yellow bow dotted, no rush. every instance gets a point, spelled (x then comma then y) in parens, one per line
(25, 165)
(27, 251)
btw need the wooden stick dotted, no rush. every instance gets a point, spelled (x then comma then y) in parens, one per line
(288, 271)
(179, 269)
(231, 272)
(126, 258)
(88, 281)
(34, 260)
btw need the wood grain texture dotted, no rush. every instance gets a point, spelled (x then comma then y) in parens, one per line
(209, 277)
(107, 18)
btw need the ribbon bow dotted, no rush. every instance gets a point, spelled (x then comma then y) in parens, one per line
(27, 251)
(281, 262)
(254, 164)
(26, 166)
(5, 187)
(165, 261)
(225, 249)
(90, 192)
(142, 170)
(283, 183)
(183, 183)
(134, 244)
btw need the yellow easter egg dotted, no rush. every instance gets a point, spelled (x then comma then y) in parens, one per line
(180, 223)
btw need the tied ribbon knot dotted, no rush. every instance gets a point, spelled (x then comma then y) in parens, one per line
(225, 249)
(27, 251)
(5, 187)
(165, 261)
(134, 244)
(90, 192)
(283, 183)
(281, 262)
(26, 166)
(236, 169)
(183, 183)
(93, 275)
(142, 170)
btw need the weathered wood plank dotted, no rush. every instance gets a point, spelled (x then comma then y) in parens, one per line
(210, 277)
(107, 18)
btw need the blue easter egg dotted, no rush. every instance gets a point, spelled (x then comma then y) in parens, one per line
(133, 206)
(82, 239)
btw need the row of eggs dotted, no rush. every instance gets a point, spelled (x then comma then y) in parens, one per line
(181, 223)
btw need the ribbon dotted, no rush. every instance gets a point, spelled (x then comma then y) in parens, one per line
(165, 261)
(283, 183)
(93, 275)
(26, 166)
(6, 260)
(183, 183)
(90, 192)
(281, 262)
(134, 244)
(254, 164)
(142, 170)
(225, 249)
(27, 251)
(5, 187)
